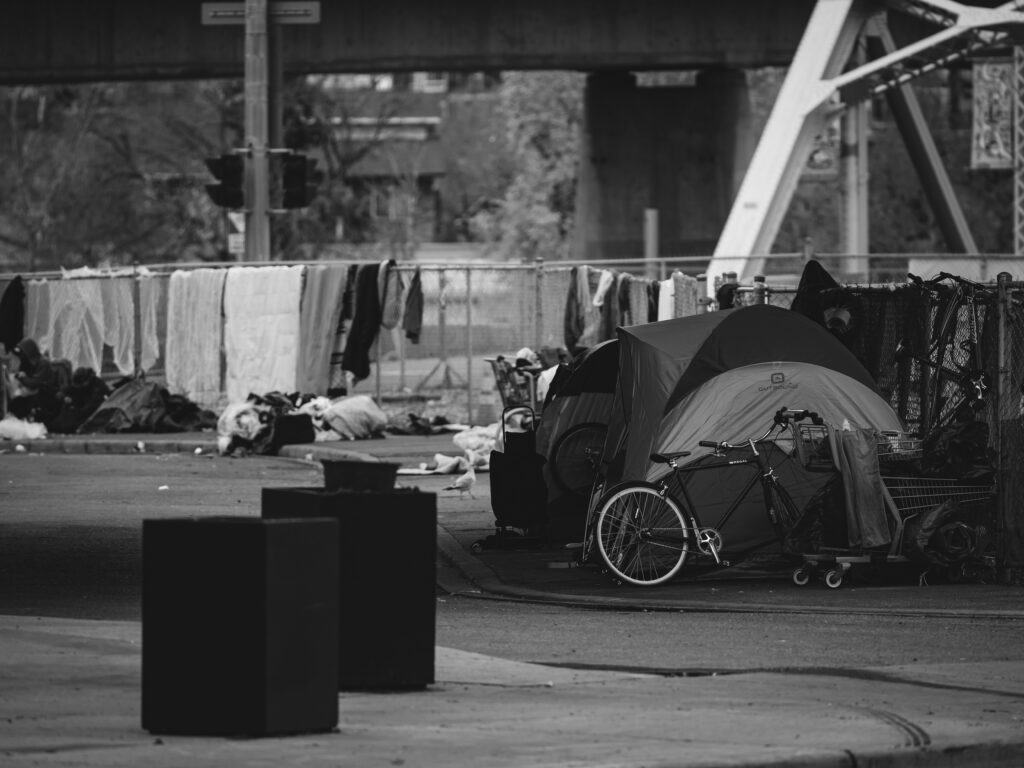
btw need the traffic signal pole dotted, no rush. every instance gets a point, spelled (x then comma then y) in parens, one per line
(257, 133)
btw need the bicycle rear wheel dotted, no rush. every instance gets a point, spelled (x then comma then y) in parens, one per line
(642, 534)
(575, 456)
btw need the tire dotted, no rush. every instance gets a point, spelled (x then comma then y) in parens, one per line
(833, 579)
(801, 577)
(642, 535)
(572, 465)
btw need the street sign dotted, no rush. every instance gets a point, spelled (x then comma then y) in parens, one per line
(236, 233)
(293, 12)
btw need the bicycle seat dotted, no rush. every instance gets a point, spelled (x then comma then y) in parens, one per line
(665, 458)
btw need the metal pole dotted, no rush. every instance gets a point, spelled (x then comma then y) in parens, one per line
(469, 345)
(538, 288)
(442, 331)
(1006, 524)
(136, 320)
(257, 217)
(651, 246)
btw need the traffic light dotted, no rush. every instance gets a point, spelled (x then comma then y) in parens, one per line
(299, 178)
(229, 170)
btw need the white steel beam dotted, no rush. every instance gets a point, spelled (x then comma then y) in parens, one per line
(799, 114)
(816, 88)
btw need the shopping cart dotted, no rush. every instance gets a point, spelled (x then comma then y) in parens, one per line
(906, 497)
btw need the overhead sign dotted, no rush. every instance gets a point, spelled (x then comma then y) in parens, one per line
(295, 12)
(992, 114)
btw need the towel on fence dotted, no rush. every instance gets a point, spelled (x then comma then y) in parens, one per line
(322, 298)
(152, 306)
(76, 322)
(391, 301)
(194, 334)
(119, 321)
(261, 329)
(667, 299)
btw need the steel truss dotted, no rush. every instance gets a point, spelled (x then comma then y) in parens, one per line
(818, 87)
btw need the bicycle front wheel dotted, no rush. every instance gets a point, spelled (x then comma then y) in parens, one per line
(642, 534)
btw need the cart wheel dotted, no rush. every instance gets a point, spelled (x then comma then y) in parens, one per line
(833, 579)
(476, 547)
(802, 576)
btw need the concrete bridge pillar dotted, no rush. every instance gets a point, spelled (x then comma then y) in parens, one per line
(680, 149)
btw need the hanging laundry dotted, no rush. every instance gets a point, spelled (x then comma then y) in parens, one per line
(609, 310)
(639, 313)
(37, 313)
(686, 293)
(573, 315)
(622, 288)
(653, 291)
(666, 299)
(195, 332)
(12, 314)
(412, 318)
(152, 305)
(261, 330)
(604, 282)
(322, 298)
(391, 297)
(119, 321)
(365, 322)
(76, 322)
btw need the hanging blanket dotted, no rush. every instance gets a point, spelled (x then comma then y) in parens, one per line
(194, 334)
(322, 297)
(261, 329)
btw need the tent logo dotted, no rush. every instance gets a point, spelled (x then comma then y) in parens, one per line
(778, 381)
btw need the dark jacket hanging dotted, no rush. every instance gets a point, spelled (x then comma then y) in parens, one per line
(412, 318)
(573, 318)
(365, 323)
(12, 314)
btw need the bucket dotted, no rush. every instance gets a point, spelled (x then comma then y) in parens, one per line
(356, 475)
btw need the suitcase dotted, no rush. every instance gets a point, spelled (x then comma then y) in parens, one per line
(518, 491)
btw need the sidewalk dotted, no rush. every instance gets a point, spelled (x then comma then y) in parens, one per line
(70, 691)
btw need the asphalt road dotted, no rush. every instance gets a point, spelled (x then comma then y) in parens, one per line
(70, 547)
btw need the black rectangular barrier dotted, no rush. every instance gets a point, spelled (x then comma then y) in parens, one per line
(386, 545)
(239, 626)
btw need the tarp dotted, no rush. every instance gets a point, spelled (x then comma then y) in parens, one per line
(722, 376)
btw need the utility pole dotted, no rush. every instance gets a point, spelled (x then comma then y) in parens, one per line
(257, 76)
(263, 83)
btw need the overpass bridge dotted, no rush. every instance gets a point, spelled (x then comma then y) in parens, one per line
(688, 152)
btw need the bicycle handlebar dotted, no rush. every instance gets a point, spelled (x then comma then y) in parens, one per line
(781, 420)
(932, 282)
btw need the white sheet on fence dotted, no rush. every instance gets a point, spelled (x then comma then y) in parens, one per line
(119, 321)
(37, 313)
(152, 292)
(76, 322)
(194, 334)
(261, 329)
(667, 299)
(322, 296)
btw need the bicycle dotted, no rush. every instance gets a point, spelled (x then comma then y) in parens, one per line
(948, 367)
(644, 533)
(574, 457)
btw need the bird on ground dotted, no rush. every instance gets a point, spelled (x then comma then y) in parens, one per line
(463, 483)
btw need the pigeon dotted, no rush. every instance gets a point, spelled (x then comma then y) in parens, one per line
(463, 483)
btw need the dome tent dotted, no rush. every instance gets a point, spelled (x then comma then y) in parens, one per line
(722, 376)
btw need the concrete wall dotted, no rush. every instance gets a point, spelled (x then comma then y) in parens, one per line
(679, 149)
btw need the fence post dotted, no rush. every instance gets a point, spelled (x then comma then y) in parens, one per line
(469, 345)
(136, 321)
(538, 292)
(1009, 533)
